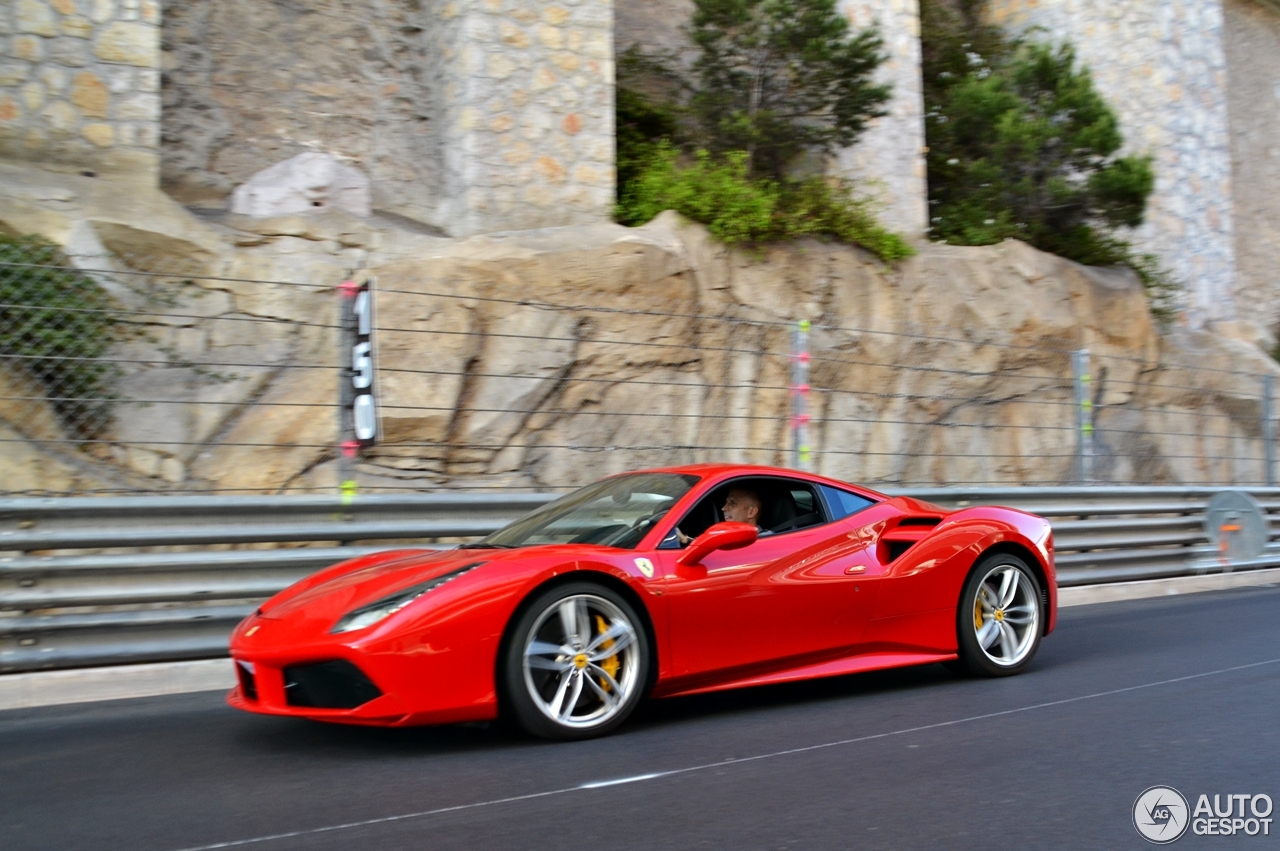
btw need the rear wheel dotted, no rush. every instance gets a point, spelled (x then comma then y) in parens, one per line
(998, 624)
(577, 662)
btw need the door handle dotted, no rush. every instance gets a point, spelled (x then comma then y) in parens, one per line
(857, 568)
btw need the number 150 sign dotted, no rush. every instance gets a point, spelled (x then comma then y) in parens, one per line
(364, 412)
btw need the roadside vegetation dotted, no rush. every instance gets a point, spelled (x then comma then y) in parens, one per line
(55, 323)
(1021, 145)
(736, 141)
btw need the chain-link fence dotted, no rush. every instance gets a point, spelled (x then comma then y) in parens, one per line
(127, 374)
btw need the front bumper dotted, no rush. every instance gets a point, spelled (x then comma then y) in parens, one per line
(274, 688)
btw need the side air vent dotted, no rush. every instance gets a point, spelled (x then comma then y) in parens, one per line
(897, 548)
(907, 533)
(337, 684)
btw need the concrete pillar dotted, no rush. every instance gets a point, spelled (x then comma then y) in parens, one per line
(525, 111)
(888, 162)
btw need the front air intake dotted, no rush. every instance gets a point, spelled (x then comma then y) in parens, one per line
(248, 685)
(336, 684)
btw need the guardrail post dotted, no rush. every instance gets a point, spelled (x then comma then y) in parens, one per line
(1084, 416)
(801, 454)
(1268, 432)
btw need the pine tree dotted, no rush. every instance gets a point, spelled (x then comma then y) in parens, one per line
(1022, 145)
(781, 78)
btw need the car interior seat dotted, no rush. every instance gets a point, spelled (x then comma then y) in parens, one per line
(790, 515)
(777, 510)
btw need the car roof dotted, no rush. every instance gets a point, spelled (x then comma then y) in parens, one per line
(714, 470)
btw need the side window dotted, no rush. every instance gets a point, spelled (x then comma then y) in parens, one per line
(792, 505)
(842, 503)
(785, 506)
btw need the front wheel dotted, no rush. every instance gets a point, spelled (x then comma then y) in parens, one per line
(577, 662)
(998, 620)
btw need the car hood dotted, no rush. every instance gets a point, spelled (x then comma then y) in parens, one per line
(345, 590)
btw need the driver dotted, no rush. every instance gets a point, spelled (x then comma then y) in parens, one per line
(742, 505)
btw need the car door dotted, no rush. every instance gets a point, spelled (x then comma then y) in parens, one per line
(792, 597)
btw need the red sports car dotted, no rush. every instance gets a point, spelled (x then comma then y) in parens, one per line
(662, 582)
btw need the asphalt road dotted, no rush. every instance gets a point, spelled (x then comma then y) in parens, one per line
(1180, 691)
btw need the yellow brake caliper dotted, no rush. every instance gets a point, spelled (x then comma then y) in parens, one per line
(611, 664)
(977, 614)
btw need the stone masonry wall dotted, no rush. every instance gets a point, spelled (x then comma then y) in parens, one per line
(1252, 42)
(1162, 66)
(248, 83)
(525, 103)
(888, 160)
(79, 85)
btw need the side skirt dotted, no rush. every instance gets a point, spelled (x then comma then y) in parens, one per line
(834, 668)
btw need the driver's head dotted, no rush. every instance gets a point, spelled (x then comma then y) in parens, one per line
(742, 506)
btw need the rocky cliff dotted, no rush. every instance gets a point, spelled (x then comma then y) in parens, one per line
(549, 358)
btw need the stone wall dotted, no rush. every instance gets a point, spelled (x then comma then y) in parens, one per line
(525, 94)
(347, 79)
(888, 160)
(1252, 41)
(1162, 66)
(79, 85)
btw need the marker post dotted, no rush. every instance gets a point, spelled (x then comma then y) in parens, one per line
(801, 453)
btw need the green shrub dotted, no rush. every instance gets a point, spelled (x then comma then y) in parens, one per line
(57, 324)
(776, 83)
(829, 208)
(717, 192)
(641, 125)
(1021, 145)
(735, 207)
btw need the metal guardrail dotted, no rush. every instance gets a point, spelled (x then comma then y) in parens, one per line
(70, 598)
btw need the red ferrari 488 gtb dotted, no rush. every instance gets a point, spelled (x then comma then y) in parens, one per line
(662, 582)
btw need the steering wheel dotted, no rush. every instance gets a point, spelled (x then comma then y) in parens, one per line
(648, 519)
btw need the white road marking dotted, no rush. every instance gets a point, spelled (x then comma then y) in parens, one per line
(599, 784)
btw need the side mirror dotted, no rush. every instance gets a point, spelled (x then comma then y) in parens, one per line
(722, 536)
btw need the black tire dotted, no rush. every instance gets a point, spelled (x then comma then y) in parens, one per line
(566, 695)
(1012, 628)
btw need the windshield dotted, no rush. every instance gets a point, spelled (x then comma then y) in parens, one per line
(616, 512)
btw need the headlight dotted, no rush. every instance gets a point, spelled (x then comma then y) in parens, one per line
(388, 606)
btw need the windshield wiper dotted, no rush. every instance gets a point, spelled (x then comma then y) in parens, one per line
(483, 546)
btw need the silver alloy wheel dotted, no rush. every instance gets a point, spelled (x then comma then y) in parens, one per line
(1006, 615)
(580, 661)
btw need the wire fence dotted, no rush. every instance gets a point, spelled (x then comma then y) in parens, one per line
(135, 374)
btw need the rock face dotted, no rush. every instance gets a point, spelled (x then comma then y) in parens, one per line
(549, 358)
(306, 183)
(954, 368)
